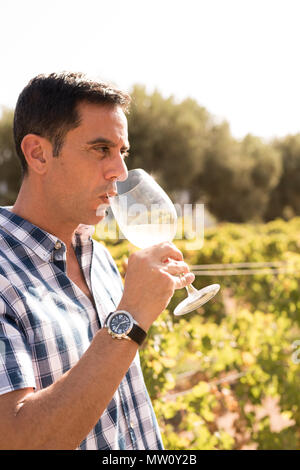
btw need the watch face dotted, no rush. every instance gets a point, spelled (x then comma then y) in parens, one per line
(120, 323)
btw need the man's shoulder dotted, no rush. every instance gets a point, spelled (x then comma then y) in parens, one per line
(6, 247)
(12, 271)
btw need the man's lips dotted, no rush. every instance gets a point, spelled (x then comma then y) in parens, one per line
(105, 197)
(104, 201)
(112, 193)
(108, 194)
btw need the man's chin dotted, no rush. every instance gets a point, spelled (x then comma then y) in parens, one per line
(93, 219)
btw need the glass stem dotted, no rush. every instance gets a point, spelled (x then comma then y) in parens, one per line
(191, 289)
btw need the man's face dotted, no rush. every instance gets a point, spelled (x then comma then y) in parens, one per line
(91, 159)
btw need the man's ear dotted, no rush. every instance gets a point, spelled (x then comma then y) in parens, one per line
(36, 152)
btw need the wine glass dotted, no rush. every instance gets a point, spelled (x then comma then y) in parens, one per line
(146, 216)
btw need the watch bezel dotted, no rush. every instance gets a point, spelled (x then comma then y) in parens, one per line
(120, 335)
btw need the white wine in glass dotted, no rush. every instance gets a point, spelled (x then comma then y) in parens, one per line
(147, 216)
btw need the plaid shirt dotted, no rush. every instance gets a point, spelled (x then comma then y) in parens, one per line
(47, 323)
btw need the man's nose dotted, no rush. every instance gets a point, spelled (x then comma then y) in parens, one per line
(118, 171)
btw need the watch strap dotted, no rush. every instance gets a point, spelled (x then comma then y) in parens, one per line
(108, 317)
(137, 334)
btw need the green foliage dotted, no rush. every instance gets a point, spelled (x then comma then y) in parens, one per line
(10, 173)
(223, 361)
(285, 199)
(167, 137)
(245, 171)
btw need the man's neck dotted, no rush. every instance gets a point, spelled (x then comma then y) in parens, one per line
(32, 206)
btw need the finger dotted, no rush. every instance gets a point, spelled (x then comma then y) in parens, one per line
(169, 250)
(184, 280)
(176, 267)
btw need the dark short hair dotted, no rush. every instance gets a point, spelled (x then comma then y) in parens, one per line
(48, 106)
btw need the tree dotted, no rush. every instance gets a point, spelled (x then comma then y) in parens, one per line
(285, 197)
(10, 170)
(167, 138)
(237, 177)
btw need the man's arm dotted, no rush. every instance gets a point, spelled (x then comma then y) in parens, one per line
(61, 415)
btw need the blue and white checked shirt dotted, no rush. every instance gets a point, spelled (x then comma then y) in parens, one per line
(47, 323)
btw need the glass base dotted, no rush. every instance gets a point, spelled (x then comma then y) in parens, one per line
(196, 299)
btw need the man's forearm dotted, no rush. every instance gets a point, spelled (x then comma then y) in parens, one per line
(61, 415)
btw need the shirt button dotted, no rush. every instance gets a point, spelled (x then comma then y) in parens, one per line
(57, 245)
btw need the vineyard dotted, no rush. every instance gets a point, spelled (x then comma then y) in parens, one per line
(228, 375)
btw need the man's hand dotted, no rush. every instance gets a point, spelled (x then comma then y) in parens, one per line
(152, 276)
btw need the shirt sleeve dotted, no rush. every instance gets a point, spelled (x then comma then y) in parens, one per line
(16, 368)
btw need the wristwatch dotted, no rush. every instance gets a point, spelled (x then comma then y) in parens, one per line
(122, 325)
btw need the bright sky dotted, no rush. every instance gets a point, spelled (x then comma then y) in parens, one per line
(238, 58)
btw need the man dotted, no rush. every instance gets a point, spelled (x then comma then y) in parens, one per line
(65, 381)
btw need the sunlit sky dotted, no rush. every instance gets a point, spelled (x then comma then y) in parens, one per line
(238, 58)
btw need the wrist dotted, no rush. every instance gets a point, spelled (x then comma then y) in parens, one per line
(139, 317)
(122, 325)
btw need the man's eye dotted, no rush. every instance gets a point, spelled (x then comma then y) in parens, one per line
(101, 149)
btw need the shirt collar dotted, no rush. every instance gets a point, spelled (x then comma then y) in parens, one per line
(36, 239)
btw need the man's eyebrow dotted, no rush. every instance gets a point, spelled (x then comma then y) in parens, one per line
(103, 140)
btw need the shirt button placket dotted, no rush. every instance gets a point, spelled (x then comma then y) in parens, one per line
(58, 255)
(133, 438)
(57, 245)
(130, 423)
